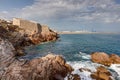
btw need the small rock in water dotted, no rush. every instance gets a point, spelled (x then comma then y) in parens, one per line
(84, 69)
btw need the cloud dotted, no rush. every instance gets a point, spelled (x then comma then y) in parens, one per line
(4, 15)
(106, 11)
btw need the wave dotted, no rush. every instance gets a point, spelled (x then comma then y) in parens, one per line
(84, 56)
(86, 63)
(84, 75)
(115, 70)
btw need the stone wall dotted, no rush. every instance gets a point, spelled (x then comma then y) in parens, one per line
(28, 26)
(16, 21)
(37, 33)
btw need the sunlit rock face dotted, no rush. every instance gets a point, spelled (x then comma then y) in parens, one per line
(36, 32)
(50, 67)
(101, 74)
(105, 59)
(12, 40)
(101, 57)
(23, 33)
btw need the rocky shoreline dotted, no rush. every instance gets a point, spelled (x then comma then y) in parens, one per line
(19, 37)
(50, 67)
(13, 39)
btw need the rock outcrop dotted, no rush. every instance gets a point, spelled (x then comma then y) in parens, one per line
(73, 77)
(35, 31)
(7, 53)
(23, 33)
(46, 68)
(101, 74)
(50, 67)
(115, 59)
(105, 59)
(46, 34)
(13, 39)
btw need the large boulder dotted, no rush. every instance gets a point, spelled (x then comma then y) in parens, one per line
(101, 57)
(50, 67)
(115, 59)
(104, 58)
(101, 74)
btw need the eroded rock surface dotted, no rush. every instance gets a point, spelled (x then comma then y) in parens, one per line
(22, 34)
(7, 55)
(105, 59)
(36, 32)
(50, 67)
(101, 74)
(13, 39)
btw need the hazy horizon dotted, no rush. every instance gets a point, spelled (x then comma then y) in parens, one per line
(66, 15)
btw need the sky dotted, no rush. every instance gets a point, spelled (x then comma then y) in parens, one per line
(61, 15)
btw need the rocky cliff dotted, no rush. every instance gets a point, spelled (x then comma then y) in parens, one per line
(13, 39)
(17, 33)
(35, 31)
(50, 67)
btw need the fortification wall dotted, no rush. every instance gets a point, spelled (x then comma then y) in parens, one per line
(28, 26)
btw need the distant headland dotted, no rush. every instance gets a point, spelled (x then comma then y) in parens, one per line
(84, 32)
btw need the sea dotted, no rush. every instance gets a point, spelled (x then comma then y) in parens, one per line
(76, 49)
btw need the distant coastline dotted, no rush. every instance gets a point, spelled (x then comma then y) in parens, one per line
(84, 32)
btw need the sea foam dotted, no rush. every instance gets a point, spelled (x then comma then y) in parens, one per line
(115, 70)
(84, 75)
(86, 63)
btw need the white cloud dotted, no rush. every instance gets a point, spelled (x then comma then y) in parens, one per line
(97, 10)
(4, 12)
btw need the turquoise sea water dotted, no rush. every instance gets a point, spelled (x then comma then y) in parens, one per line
(71, 45)
(76, 49)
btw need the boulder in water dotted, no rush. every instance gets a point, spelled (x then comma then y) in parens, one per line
(101, 74)
(115, 59)
(101, 57)
(105, 59)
